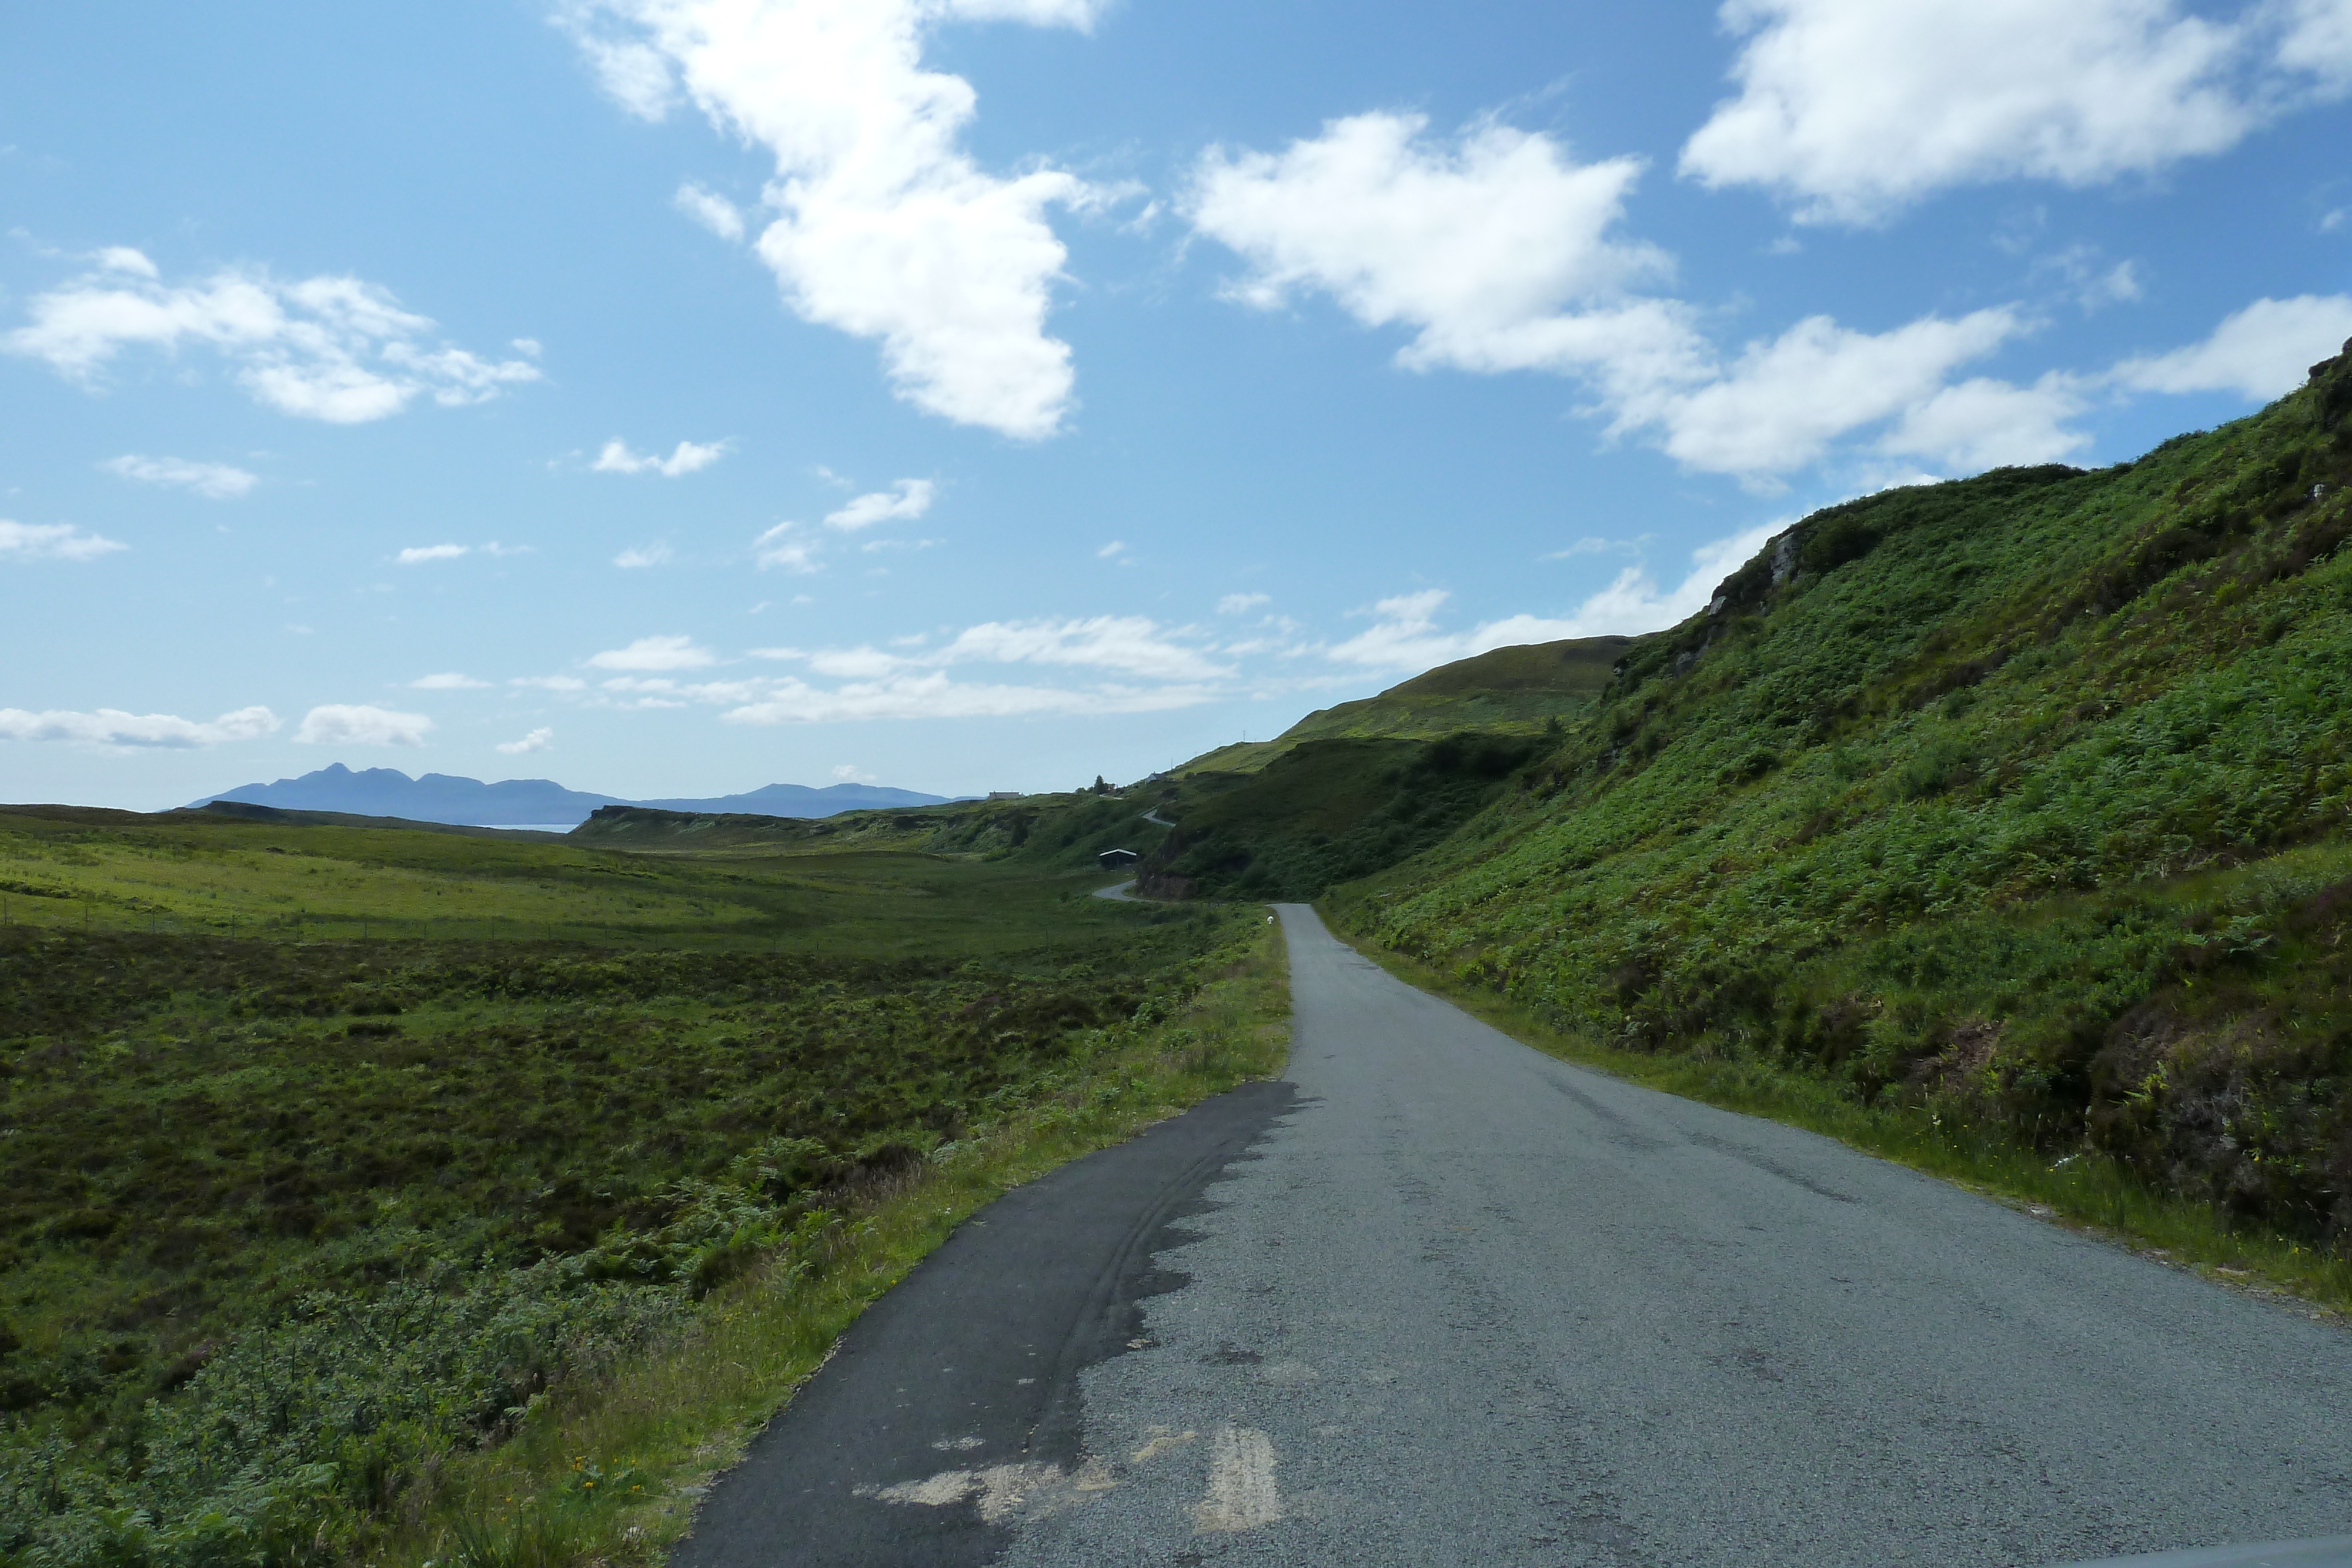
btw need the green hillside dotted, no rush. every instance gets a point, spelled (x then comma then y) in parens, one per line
(2022, 797)
(1507, 691)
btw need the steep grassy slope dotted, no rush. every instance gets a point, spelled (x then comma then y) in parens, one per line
(1506, 690)
(2025, 797)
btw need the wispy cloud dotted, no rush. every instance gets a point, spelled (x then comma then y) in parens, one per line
(936, 695)
(785, 548)
(1405, 634)
(450, 681)
(1242, 603)
(113, 727)
(655, 653)
(642, 556)
(907, 499)
(348, 724)
(1589, 545)
(213, 481)
(333, 348)
(711, 210)
(52, 541)
(688, 457)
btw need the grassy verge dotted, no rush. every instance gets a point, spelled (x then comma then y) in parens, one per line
(610, 1469)
(2090, 1193)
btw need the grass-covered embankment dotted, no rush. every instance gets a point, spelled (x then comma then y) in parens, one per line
(303, 1239)
(2023, 801)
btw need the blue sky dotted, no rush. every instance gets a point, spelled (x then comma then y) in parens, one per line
(675, 396)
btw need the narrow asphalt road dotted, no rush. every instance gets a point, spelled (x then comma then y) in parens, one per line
(1465, 1304)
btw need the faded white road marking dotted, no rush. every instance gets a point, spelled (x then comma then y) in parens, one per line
(1241, 1494)
(1162, 1439)
(1003, 1490)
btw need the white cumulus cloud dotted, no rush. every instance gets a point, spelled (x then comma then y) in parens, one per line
(689, 457)
(2263, 352)
(908, 498)
(886, 228)
(420, 555)
(1851, 109)
(648, 654)
(1497, 250)
(113, 727)
(213, 481)
(1985, 423)
(52, 541)
(1500, 252)
(1784, 401)
(333, 348)
(346, 724)
(538, 740)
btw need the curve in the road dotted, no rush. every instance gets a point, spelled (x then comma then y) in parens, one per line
(1471, 1304)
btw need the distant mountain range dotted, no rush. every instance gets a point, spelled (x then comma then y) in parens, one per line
(517, 803)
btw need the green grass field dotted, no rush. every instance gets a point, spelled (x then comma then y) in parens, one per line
(118, 872)
(329, 1155)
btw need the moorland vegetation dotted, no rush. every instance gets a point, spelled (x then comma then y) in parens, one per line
(343, 1167)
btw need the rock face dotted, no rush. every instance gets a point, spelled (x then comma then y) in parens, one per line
(2336, 388)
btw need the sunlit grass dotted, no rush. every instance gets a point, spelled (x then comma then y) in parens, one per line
(113, 872)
